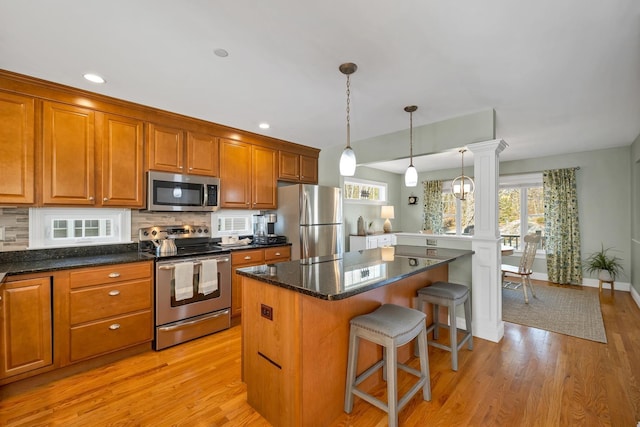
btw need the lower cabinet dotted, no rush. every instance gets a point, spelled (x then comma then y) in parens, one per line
(26, 326)
(359, 243)
(109, 309)
(249, 258)
(73, 315)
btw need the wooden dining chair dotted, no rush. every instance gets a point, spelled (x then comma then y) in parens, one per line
(523, 270)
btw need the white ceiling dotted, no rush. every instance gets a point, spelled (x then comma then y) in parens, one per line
(562, 76)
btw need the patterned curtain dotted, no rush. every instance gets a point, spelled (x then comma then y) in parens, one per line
(433, 206)
(561, 226)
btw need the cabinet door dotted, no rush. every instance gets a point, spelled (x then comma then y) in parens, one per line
(121, 173)
(264, 178)
(16, 148)
(242, 259)
(68, 155)
(166, 149)
(235, 174)
(288, 166)
(308, 169)
(26, 326)
(202, 154)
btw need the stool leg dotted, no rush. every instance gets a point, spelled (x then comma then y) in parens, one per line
(467, 320)
(436, 321)
(453, 336)
(424, 363)
(392, 384)
(352, 361)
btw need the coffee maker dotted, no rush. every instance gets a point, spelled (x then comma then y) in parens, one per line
(264, 229)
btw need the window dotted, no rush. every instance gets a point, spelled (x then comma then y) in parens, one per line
(362, 191)
(63, 227)
(521, 208)
(227, 222)
(458, 215)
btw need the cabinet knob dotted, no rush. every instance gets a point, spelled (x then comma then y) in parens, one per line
(114, 275)
(114, 292)
(247, 257)
(91, 198)
(277, 253)
(180, 167)
(190, 169)
(114, 326)
(106, 199)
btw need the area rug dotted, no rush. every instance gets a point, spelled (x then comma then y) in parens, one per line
(574, 312)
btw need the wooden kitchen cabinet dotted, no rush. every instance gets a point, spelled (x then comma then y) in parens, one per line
(68, 155)
(240, 259)
(121, 172)
(249, 258)
(294, 167)
(168, 151)
(110, 308)
(17, 148)
(247, 176)
(25, 326)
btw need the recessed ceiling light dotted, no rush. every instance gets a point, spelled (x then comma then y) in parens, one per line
(264, 125)
(221, 53)
(94, 78)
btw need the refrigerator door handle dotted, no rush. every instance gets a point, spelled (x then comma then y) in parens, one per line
(304, 242)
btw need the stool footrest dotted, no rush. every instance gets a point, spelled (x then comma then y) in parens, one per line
(367, 373)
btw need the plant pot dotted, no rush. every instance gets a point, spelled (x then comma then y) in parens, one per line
(605, 276)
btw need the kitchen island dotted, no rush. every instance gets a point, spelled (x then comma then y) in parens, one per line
(295, 325)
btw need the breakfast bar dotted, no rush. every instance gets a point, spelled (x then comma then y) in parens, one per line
(296, 317)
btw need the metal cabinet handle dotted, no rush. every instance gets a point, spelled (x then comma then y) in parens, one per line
(114, 326)
(247, 257)
(114, 275)
(277, 253)
(114, 293)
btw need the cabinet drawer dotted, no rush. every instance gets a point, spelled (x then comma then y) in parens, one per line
(108, 274)
(247, 257)
(109, 300)
(281, 253)
(110, 335)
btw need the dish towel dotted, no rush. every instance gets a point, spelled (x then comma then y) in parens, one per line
(208, 277)
(183, 278)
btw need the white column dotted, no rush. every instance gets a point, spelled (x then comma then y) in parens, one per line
(486, 287)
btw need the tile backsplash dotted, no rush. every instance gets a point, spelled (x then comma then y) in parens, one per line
(16, 224)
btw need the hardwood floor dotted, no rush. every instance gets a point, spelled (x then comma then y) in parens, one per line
(530, 378)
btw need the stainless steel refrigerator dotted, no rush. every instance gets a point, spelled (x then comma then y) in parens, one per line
(311, 218)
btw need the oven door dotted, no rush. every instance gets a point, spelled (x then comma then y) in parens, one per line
(169, 309)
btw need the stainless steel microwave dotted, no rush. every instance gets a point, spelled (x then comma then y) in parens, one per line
(184, 193)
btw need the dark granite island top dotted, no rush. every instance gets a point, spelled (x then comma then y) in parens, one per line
(332, 278)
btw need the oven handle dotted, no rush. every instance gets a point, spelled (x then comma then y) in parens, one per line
(191, 322)
(173, 266)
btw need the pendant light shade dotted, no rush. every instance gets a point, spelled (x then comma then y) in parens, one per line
(411, 175)
(348, 157)
(462, 186)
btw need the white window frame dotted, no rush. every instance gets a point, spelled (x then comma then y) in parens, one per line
(447, 188)
(382, 185)
(222, 214)
(523, 181)
(41, 232)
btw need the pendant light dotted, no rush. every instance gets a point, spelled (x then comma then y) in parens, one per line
(411, 175)
(348, 157)
(462, 185)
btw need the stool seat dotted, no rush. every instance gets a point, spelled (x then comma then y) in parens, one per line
(390, 326)
(451, 291)
(450, 295)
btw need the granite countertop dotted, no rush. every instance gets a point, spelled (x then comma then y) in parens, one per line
(333, 278)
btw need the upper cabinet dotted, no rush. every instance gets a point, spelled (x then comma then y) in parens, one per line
(91, 158)
(248, 175)
(121, 173)
(297, 168)
(17, 147)
(169, 153)
(68, 147)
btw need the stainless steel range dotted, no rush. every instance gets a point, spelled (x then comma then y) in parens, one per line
(192, 283)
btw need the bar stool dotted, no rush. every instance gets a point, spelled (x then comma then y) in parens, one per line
(390, 326)
(451, 295)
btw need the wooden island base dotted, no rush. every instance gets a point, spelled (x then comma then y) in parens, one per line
(295, 347)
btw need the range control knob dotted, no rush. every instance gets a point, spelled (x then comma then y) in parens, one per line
(206, 230)
(154, 232)
(146, 233)
(199, 230)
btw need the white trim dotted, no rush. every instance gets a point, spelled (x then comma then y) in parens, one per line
(521, 180)
(40, 226)
(589, 282)
(635, 296)
(383, 185)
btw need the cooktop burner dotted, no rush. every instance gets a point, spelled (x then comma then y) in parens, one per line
(189, 240)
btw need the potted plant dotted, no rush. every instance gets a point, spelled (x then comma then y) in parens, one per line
(607, 266)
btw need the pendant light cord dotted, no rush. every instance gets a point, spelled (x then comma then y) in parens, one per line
(348, 111)
(411, 138)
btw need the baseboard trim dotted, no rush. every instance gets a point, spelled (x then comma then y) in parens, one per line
(635, 296)
(589, 282)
